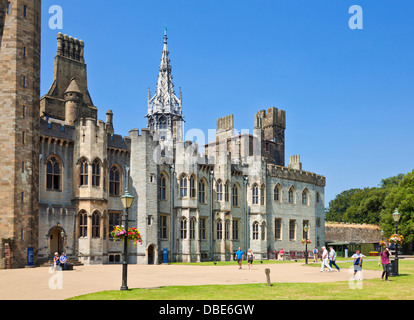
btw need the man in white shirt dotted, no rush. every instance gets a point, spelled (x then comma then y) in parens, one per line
(325, 260)
(332, 258)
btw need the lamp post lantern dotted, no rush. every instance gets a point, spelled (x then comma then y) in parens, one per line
(126, 200)
(306, 229)
(396, 216)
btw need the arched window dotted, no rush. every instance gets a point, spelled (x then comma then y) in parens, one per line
(255, 232)
(192, 228)
(193, 187)
(263, 231)
(262, 195)
(219, 190)
(163, 123)
(96, 173)
(219, 229)
(292, 195)
(163, 187)
(277, 193)
(96, 225)
(305, 197)
(53, 175)
(84, 173)
(83, 224)
(235, 195)
(183, 228)
(202, 191)
(183, 186)
(255, 194)
(114, 181)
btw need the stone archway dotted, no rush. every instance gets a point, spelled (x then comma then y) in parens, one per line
(151, 254)
(56, 240)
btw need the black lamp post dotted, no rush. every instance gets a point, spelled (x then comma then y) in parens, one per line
(306, 229)
(396, 216)
(127, 200)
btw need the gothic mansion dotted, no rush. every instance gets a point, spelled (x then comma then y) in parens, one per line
(198, 205)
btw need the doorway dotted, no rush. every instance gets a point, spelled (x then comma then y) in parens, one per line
(56, 240)
(151, 253)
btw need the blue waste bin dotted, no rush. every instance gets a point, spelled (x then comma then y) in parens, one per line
(30, 257)
(165, 256)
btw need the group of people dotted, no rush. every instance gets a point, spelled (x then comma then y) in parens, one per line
(328, 260)
(60, 261)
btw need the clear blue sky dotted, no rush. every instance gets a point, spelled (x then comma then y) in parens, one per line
(348, 94)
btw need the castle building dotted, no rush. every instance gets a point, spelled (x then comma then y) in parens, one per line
(63, 171)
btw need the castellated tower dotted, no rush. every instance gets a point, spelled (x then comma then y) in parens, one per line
(19, 129)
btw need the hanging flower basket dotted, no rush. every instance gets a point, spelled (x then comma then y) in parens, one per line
(396, 238)
(119, 233)
(306, 241)
(382, 243)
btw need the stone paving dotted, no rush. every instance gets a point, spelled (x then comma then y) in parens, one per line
(41, 284)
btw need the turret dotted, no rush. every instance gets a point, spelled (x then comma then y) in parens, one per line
(73, 98)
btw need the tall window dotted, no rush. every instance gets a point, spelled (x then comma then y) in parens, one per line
(25, 11)
(262, 195)
(219, 228)
(163, 227)
(83, 224)
(8, 7)
(96, 225)
(202, 228)
(305, 197)
(235, 195)
(183, 186)
(255, 232)
(192, 187)
(183, 228)
(114, 181)
(235, 230)
(255, 194)
(84, 173)
(219, 190)
(202, 191)
(318, 197)
(291, 195)
(163, 187)
(278, 229)
(114, 220)
(163, 123)
(53, 175)
(292, 229)
(96, 173)
(277, 193)
(192, 228)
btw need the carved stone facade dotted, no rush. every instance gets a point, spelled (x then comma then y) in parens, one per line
(199, 206)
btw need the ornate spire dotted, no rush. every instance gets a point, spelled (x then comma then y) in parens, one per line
(164, 105)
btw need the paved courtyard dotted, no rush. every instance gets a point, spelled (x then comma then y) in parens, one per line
(40, 284)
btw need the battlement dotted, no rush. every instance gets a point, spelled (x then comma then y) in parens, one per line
(57, 129)
(119, 142)
(273, 117)
(71, 48)
(296, 175)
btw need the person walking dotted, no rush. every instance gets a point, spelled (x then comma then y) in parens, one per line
(250, 258)
(384, 259)
(332, 258)
(239, 257)
(358, 258)
(325, 260)
(315, 255)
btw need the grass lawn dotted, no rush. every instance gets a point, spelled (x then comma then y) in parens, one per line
(399, 288)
